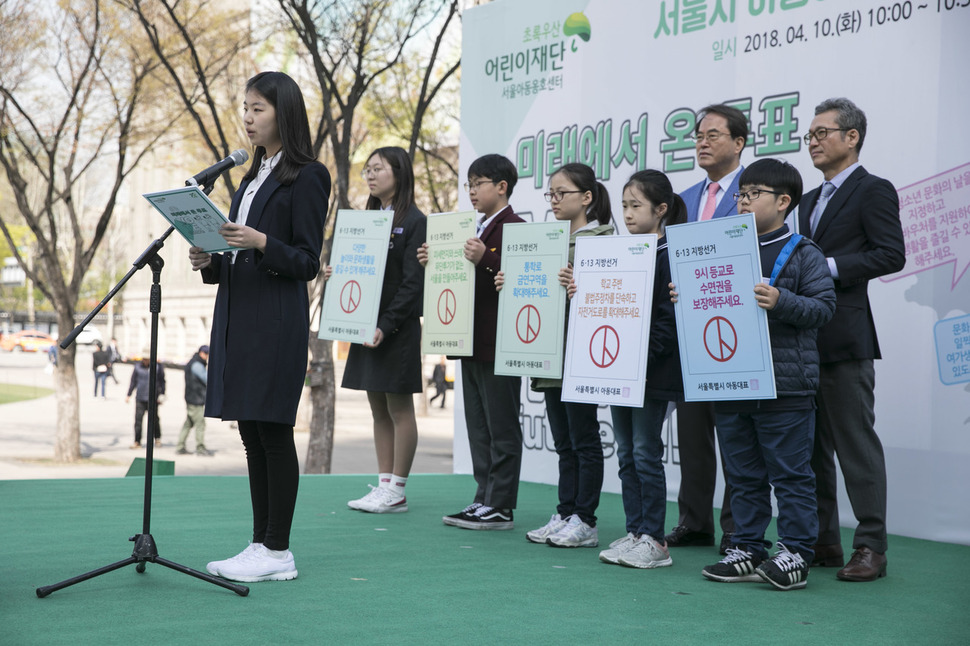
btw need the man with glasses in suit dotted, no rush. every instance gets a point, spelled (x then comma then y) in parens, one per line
(854, 218)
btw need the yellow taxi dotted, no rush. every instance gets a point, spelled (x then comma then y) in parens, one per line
(26, 341)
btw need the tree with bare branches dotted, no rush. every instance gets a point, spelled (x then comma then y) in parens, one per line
(351, 46)
(201, 47)
(346, 48)
(71, 90)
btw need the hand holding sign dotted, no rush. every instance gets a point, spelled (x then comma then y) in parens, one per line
(766, 295)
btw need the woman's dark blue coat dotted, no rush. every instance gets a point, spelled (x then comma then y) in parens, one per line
(261, 322)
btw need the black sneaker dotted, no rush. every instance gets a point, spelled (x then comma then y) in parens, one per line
(487, 518)
(464, 514)
(785, 570)
(737, 567)
(726, 543)
(681, 536)
(182, 451)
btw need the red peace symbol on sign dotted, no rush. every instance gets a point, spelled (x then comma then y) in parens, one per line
(527, 327)
(350, 296)
(447, 304)
(720, 339)
(604, 346)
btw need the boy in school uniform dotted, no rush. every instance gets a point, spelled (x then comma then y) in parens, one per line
(491, 401)
(768, 443)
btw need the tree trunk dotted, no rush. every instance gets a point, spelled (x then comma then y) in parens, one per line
(67, 444)
(319, 455)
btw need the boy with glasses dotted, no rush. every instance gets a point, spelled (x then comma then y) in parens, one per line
(767, 444)
(491, 401)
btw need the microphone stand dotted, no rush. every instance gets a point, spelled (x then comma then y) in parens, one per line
(145, 550)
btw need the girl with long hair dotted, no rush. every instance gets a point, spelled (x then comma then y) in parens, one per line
(389, 367)
(261, 322)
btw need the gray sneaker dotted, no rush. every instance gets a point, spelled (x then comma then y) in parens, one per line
(575, 533)
(646, 554)
(540, 535)
(616, 548)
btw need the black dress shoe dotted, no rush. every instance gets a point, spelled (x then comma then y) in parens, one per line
(828, 555)
(865, 565)
(681, 536)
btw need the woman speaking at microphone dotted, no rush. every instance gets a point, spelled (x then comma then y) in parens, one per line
(261, 322)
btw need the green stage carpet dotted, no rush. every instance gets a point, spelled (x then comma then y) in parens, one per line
(408, 579)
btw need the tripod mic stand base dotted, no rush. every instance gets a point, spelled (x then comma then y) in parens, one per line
(145, 552)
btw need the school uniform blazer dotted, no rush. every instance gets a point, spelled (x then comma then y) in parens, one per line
(486, 298)
(261, 320)
(692, 198)
(861, 231)
(403, 290)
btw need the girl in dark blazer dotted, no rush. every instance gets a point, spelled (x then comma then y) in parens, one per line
(260, 326)
(389, 368)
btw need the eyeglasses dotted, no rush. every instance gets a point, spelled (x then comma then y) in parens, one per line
(474, 187)
(710, 135)
(821, 133)
(753, 194)
(556, 196)
(371, 171)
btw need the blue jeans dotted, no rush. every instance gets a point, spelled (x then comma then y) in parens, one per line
(576, 435)
(640, 452)
(765, 450)
(100, 378)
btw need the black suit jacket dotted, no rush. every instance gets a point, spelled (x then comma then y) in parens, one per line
(261, 322)
(486, 298)
(860, 229)
(403, 288)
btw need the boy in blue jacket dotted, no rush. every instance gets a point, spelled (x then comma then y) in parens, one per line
(767, 443)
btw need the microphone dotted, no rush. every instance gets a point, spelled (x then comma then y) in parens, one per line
(209, 175)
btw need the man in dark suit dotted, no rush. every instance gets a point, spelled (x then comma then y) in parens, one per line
(720, 136)
(854, 218)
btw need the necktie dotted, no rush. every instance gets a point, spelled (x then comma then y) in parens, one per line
(827, 189)
(708, 211)
(480, 228)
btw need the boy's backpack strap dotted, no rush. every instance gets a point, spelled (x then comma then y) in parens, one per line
(783, 256)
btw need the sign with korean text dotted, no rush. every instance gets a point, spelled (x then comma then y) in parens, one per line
(193, 215)
(449, 286)
(725, 351)
(353, 294)
(539, 86)
(609, 320)
(532, 304)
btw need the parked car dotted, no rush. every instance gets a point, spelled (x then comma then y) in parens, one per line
(26, 341)
(88, 336)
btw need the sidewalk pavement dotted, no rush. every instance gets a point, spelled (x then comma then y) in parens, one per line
(27, 429)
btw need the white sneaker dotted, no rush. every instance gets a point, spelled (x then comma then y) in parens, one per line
(540, 535)
(575, 533)
(214, 567)
(384, 501)
(646, 554)
(618, 547)
(366, 500)
(260, 564)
